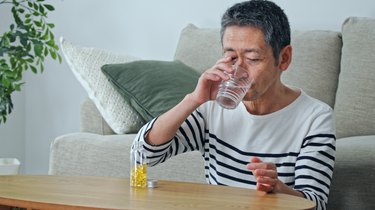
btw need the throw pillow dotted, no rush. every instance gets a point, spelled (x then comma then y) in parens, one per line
(355, 99)
(152, 87)
(85, 64)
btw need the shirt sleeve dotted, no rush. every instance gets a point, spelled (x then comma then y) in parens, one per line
(315, 163)
(189, 137)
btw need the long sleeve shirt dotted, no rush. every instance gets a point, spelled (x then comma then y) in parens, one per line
(299, 139)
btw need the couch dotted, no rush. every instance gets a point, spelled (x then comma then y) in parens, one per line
(337, 67)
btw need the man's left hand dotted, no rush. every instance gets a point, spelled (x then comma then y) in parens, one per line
(265, 175)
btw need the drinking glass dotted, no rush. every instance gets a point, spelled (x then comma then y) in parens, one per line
(232, 91)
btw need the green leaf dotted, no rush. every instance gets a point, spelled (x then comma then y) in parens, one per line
(33, 69)
(59, 57)
(36, 14)
(38, 49)
(51, 43)
(45, 36)
(6, 82)
(24, 40)
(43, 27)
(51, 25)
(27, 21)
(41, 10)
(53, 54)
(36, 7)
(16, 17)
(45, 52)
(29, 60)
(18, 86)
(51, 35)
(28, 48)
(38, 23)
(13, 62)
(11, 37)
(49, 7)
(15, 3)
(41, 67)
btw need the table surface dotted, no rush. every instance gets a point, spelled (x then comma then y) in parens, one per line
(70, 192)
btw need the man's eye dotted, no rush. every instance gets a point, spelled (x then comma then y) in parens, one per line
(253, 60)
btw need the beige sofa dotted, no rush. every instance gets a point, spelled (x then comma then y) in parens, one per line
(335, 67)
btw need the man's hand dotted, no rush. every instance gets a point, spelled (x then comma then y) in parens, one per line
(208, 83)
(265, 175)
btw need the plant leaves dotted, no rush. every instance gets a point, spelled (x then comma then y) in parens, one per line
(24, 47)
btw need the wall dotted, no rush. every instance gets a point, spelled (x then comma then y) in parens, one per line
(144, 28)
(12, 133)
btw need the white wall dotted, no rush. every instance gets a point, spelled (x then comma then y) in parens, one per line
(143, 28)
(12, 134)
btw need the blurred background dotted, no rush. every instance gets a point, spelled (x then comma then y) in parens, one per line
(49, 104)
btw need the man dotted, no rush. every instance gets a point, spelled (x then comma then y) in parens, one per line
(277, 140)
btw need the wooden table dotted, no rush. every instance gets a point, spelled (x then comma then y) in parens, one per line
(63, 192)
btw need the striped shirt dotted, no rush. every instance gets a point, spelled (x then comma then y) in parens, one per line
(299, 139)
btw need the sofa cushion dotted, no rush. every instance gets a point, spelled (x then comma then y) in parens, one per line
(355, 99)
(315, 63)
(352, 186)
(152, 87)
(199, 48)
(85, 64)
(87, 154)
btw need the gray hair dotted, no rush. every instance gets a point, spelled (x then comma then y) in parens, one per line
(262, 14)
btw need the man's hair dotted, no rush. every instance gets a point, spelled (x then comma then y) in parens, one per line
(262, 14)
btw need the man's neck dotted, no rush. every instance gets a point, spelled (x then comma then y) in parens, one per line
(273, 101)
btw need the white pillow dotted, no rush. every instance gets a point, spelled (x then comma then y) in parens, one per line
(86, 65)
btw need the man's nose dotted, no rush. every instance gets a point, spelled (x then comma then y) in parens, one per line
(239, 62)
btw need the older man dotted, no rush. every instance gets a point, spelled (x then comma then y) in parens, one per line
(278, 139)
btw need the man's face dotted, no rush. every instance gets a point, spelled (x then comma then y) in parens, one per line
(247, 48)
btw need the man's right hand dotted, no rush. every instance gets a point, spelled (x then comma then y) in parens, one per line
(209, 81)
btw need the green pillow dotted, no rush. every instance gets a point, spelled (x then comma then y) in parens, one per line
(152, 87)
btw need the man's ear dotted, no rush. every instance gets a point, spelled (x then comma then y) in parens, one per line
(285, 57)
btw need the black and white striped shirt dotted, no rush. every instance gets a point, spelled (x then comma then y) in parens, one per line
(299, 139)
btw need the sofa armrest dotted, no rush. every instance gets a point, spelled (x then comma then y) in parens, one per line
(87, 154)
(352, 184)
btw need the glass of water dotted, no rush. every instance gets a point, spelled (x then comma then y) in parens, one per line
(232, 91)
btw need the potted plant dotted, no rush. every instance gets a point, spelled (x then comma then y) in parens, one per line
(23, 47)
